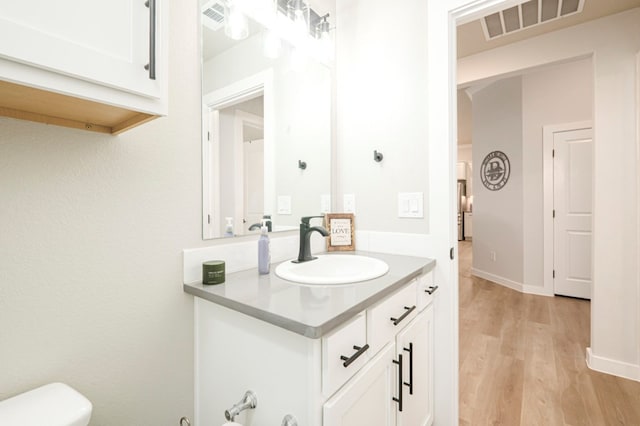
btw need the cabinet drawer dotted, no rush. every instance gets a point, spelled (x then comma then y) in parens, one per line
(367, 399)
(425, 290)
(344, 352)
(388, 317)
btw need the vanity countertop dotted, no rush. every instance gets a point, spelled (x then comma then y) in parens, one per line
(309, 310)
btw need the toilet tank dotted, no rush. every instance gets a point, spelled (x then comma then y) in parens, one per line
(55, 404)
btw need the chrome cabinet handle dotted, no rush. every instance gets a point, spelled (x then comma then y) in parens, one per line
(151, 66)
(399, 398)
(397, 321)
(431, 289)
(349, 360)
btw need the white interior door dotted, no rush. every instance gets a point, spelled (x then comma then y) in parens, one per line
(572, 201)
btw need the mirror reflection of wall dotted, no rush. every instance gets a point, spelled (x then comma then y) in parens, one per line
(281, 110)
(239, 145)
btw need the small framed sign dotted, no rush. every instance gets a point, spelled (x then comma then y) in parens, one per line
(342, 236)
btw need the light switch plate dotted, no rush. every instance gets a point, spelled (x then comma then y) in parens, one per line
(411, 204)
(284, 204)
(325, 203)
(349, 203)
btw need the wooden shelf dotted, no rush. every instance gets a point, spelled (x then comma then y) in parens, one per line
(28, 103)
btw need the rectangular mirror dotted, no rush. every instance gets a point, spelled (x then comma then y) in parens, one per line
(266, 113)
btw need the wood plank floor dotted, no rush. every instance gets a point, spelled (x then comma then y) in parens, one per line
(522, 360)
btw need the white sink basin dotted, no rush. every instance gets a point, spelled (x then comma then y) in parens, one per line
(333, 269)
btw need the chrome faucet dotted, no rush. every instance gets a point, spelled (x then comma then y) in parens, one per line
(304, 255)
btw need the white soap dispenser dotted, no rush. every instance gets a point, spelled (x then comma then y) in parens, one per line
(264, 255)
(228, 231)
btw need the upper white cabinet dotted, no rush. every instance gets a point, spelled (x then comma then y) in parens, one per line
(100, 65)
(461, 168)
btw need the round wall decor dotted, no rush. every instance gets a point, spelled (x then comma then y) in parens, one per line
(495, 170)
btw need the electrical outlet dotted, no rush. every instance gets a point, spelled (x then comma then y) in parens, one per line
(349, 203)
(284, 204)
(325, 203)
(492, 255)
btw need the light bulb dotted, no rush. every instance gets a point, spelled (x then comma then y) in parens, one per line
(297, 11)
(300, 24)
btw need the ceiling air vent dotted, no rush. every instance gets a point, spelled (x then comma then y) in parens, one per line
(526, 15)
(213, 14)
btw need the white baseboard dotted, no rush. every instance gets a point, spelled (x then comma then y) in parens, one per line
(537, 290)
(505, 282)
(612, 366)
(513, 285)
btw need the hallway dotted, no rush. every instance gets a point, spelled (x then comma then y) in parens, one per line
(522, 360)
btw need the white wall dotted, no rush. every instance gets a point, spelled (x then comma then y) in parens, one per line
(613, 41)
(381, 105)
(242, 60)
(464, 119)
(92, 229)
(497, 215)
(303, 132)
(560, 94)
(465, 154)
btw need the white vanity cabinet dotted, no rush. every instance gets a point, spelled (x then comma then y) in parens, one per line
(99, 66)
(350, 376)
(396, 386)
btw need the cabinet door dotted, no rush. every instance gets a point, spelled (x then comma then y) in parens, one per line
(105, 42)
(367, 399)
(415, 343)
